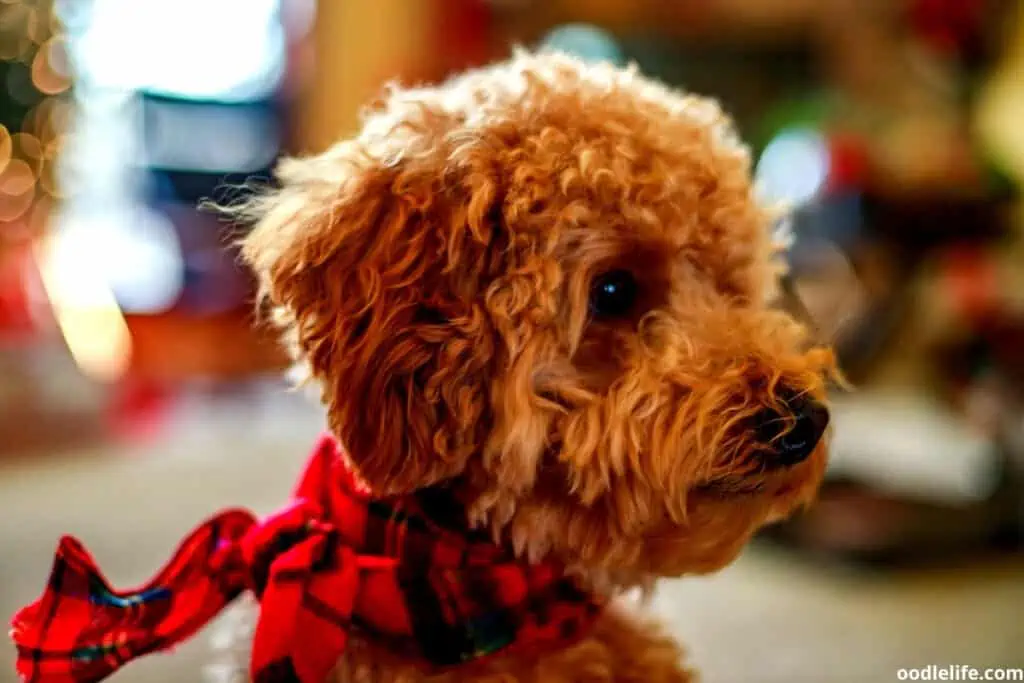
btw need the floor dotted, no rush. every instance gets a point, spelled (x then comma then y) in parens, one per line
(770, 617)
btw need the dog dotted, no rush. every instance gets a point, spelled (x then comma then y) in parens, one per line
(549, 284)
(545, 288)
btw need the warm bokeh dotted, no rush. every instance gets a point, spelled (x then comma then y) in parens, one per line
(137, 395)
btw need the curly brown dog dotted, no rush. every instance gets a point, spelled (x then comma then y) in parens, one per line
(538, 303)
(548, 285)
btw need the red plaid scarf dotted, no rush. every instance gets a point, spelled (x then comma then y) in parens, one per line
(332, 563)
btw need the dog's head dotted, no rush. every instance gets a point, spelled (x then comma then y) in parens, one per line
(548, 284)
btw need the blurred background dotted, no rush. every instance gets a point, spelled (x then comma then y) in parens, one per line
(136, 396)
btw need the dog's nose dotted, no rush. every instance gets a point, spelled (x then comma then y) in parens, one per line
(793, 438)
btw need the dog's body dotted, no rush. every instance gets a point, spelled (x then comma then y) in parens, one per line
(546, 286)
(619, 648)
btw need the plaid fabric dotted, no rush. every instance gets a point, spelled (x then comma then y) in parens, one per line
(334, 562)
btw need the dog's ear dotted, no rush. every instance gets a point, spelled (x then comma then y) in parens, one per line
(370, 270)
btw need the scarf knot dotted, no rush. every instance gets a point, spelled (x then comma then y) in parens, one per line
(298, 531)
(334, 562)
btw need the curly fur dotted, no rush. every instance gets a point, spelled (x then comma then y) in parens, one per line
(433, 273)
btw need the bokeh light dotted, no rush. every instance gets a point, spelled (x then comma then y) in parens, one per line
(585, 41)
(34, 24)
(50, 72)
(135, 249)
(85, 308)
(36, 80)
(133, 45)
(5, 147)
(793, 167)
(18, 178)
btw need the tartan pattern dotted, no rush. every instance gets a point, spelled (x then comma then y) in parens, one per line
(334, 561)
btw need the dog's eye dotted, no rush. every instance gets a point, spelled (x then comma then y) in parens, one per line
(613, 294)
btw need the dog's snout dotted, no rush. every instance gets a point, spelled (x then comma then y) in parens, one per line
(792, 438)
